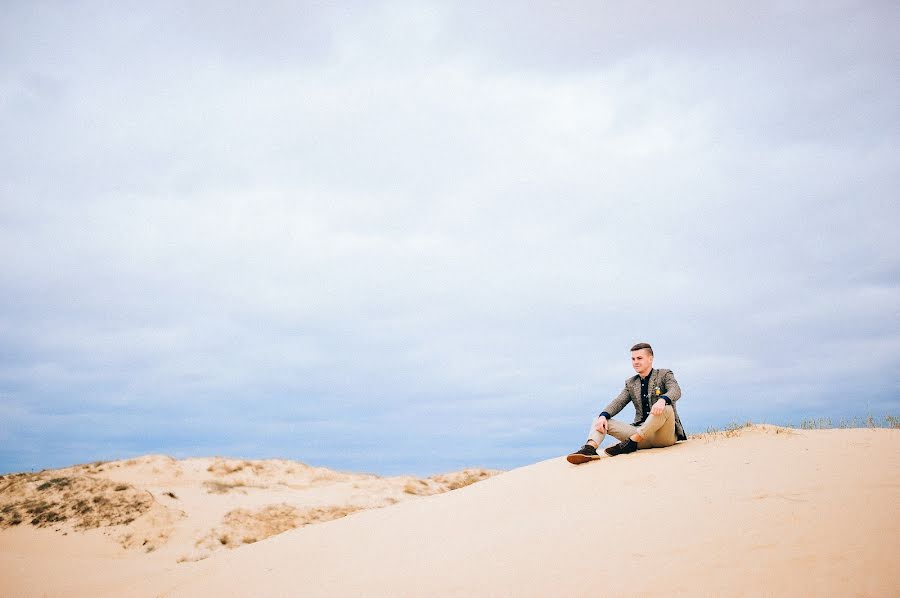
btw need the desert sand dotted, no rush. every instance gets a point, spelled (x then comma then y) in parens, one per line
(762, 511)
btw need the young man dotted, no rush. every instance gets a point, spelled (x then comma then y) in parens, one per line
(656, 424)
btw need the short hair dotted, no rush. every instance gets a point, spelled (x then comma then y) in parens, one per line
(640, 346)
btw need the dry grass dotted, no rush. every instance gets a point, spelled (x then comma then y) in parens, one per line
(83, 502)
(232, 466)
(217, 487)
(80, 498)
(826, 423)
(245, 526)
(731, 430)
(418, 488)
(735, 429)
(92, 468)
(461, 479)
(819, 423)
(438, 484)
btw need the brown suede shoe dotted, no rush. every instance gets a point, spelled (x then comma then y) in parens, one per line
(583, 455)
(623, 448)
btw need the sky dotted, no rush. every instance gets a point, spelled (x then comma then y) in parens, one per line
(411, 237)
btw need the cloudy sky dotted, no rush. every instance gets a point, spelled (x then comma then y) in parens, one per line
(414, 236)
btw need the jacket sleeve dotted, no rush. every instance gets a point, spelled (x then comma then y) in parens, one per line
(620, 401)
(673, 391)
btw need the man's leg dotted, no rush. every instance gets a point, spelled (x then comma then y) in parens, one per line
(589, 450)
(620, 430)
(614, 428)
(658, 431)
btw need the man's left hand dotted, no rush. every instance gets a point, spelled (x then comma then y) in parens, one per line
(658, 407)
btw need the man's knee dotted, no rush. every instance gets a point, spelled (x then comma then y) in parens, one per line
(664, 435)
(667, 415)
(620, 430)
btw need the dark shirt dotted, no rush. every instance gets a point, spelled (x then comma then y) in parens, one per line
(645, 398)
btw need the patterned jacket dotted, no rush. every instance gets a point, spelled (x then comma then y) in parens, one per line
(665, 381)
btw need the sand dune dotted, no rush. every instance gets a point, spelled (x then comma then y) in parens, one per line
(762, 511)
(60, 528)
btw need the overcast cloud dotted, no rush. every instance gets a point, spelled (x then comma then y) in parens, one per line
(412, 236)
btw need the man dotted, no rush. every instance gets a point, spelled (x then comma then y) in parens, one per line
(656, 424)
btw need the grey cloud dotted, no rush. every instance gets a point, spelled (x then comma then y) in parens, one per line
(356, 230)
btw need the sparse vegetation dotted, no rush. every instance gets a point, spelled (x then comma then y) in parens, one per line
(870, 421)
(43, 513)
(464, 478)
(417, 487)
(55, 482)
(818, 423)
(77, 498)
(252, 526)
(732, 430)
(217, 487)
(437, 484)
(95, 467)
(230, 466)
(44, 501)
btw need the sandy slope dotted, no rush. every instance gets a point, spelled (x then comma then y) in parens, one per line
(86, 529)
(765, 512)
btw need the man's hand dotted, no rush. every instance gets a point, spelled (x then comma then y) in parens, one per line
(658, 407)
(600, 424)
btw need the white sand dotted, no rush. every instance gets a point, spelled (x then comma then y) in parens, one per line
(766, 512)
(151, 513)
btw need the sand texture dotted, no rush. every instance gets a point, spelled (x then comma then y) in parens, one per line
(77, 530)
(763, 511)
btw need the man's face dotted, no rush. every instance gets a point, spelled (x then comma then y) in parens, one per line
(642, 361)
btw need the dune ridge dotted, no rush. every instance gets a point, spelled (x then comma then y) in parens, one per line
(756, 511)
(197, 506)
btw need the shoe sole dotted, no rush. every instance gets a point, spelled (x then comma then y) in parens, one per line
(576, 459)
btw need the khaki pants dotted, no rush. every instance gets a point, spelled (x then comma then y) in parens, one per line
(658, 431)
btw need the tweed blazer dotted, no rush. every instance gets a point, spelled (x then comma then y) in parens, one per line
(659, 378)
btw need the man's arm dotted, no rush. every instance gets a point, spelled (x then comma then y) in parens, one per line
(672, 394)
(618, 403)
(673, 391)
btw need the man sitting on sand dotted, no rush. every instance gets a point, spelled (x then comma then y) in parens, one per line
(653, 393)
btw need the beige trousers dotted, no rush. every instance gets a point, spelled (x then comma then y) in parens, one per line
(658, 431)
